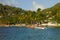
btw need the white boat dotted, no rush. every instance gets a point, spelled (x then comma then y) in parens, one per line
(40, 27)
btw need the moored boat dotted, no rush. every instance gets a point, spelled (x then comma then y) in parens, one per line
(40, 27)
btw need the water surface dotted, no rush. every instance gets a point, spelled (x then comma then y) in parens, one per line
(16, 33)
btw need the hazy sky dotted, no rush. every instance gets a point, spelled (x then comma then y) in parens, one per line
(30, 4)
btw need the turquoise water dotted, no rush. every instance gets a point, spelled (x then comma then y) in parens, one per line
(16, 33)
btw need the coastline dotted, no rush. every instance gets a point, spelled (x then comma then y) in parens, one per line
(30, 25)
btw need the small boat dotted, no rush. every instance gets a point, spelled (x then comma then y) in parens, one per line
(40, 27)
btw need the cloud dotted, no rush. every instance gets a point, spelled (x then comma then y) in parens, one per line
(36, 6)
(9, 2)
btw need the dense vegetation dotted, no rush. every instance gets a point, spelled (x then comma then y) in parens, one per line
(14, 15)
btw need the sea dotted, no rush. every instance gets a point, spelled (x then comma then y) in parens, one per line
(23, 33)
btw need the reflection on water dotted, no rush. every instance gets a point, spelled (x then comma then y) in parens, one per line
(15, 33)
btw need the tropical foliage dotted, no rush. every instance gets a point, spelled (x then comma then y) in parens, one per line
(14, 15)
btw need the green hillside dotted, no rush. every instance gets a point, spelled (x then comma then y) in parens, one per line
(14, 15)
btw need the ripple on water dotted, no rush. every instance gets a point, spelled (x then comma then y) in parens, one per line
(16, 33)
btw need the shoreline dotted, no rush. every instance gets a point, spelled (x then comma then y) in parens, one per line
(29, 25)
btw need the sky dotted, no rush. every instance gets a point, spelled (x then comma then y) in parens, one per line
(30, 4)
